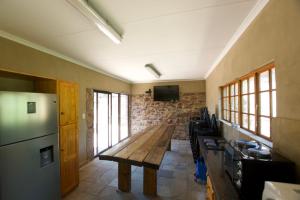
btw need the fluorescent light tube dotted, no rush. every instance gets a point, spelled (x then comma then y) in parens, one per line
(153, 70)
(93, 16)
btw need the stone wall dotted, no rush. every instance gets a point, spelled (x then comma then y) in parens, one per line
(146, 112)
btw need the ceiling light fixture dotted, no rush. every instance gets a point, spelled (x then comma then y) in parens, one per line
(93, 16)
(153, 70)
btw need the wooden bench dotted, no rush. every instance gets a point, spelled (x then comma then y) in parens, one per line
(146, 149)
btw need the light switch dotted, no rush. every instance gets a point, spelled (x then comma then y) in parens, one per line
(83, 115)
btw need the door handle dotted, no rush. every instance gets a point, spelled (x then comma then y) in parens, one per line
(62, 113)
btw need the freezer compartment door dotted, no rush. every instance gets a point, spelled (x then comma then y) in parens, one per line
(30, 170)
(26, 115)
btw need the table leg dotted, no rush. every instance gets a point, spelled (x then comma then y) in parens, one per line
(150, 181)
(169, 147)
(124, 177)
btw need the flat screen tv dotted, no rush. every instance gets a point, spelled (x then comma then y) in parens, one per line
(166, 93)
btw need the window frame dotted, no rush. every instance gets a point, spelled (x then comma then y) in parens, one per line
(270, 90)
(229, 96)
(257, 102)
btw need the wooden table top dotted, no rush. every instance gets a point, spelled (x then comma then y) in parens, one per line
(146, 148)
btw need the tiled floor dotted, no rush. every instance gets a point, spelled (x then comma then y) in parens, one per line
(98, 179)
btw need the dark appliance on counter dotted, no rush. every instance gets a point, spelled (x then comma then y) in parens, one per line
(29, 161)
(249, 164)
(166, 93)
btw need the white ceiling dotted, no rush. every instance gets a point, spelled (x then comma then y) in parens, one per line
(182, 38)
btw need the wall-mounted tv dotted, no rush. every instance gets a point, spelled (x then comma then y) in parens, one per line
(166, 93)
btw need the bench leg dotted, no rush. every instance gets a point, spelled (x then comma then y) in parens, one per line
(150, 181)
(124, 177)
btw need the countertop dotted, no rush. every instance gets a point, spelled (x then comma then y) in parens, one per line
(214, 159)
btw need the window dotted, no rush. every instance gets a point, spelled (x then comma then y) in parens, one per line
(225, 103)
(256, 100)
(234, 103)
(230, 102)
(110, 119)
(248, 103)
(267, 101)
(124, 116)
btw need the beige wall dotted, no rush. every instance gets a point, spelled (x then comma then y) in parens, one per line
(274, 35)
(184, 86)
(19, 58)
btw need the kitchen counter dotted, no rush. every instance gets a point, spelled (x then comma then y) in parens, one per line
(214, 159)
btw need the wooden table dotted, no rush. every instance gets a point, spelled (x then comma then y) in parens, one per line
(145, 149)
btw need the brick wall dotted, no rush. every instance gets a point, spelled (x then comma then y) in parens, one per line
(146, 112)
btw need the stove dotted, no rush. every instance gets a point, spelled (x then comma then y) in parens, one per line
(249, 164)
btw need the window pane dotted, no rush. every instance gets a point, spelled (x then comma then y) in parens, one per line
(236, 89)
(245, 86)
(232, 90)
(227, 90)
(245, 120)
(251, 85)
(274, 108)
(103, 113)
(252, 103)
(124, 116)
(225, 115)
(252, 123)
(265, 103)
(264, 81)
(236, 107)
(273, 79)
(232, 117)
(265, 126)
(237, 118)
(95, 124)
(224, 92)
(115, 119)
(226, 103)
(228, 115)
(245, 103)
(232, 103)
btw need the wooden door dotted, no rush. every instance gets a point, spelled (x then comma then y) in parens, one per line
(69, 164)
(68, 102)
(68, 158)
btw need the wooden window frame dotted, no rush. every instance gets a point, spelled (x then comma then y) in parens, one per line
(256, 74)
(270, 91)
(223, 103)
(248, 94)
(228, 97)
(234, 96)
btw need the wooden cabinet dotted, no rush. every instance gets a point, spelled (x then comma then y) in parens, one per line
(68, 136)
(210, 194)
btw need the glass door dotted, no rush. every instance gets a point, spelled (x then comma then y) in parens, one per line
(101, 122)
(110, 120)
(115, 118)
